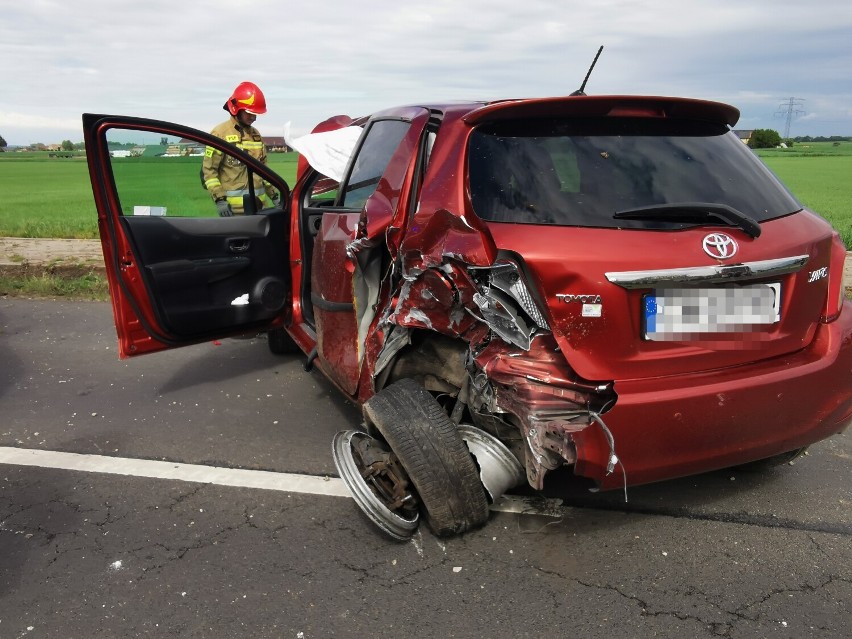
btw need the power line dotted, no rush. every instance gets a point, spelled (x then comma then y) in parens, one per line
(788, 109)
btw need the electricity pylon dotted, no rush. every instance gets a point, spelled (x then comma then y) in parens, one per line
(788, 109)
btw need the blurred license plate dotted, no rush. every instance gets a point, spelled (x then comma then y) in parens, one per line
(681, 313)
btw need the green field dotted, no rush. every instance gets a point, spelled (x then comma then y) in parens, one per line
(52, 197)
(820, 175)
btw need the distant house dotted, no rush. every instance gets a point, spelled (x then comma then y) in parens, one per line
(744, 134)
(191, 147)
(276, 144)
(186, 147)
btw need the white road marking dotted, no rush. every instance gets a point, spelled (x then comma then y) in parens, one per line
(235, 477)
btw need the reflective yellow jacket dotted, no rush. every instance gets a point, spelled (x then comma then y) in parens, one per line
(224, 175)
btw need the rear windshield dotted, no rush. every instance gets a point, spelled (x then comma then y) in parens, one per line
(579, 172)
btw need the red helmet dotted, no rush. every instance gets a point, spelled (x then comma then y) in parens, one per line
(246, 97)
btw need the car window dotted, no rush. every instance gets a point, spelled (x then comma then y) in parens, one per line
(380, 142)
(322, 191)
(161, 175)
(580, 172)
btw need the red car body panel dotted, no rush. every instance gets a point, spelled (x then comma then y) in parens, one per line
(607, 347)
(677, 426)
(331, 294)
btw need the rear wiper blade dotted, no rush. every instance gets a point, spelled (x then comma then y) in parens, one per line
(698, 212)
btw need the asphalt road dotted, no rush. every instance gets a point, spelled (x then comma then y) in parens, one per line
(87, 554)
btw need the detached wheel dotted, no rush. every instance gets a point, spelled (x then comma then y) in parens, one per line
(433, 454)
(372, 476)
(760, 465)
(280, 342)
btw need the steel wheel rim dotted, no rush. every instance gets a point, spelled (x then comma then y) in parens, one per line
(388, 521)
(499, 470)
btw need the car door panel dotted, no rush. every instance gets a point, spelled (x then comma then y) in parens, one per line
(332, 299)
(182, 278)
(198, 277)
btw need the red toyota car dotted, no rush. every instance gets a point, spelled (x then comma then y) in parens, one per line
(610, 283)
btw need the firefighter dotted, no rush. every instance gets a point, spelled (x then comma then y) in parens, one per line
(224, 176)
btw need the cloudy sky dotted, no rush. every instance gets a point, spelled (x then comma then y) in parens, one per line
(178, 60)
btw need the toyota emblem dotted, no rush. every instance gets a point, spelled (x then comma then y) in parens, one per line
(719, 246)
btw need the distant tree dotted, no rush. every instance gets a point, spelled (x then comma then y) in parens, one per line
(764, 139)
(3, 144)
(67, 145)
(821, 138)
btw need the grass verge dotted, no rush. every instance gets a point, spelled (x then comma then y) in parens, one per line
(72, 283)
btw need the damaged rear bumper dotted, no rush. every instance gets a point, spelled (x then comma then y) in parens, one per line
(672, 427)
(664, 428)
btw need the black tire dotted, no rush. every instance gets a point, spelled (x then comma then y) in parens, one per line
(761, 465)
(280, 342)
(437, 461)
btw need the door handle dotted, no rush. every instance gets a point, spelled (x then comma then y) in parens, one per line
(239, 245)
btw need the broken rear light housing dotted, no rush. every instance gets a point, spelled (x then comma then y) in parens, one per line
(506, 303)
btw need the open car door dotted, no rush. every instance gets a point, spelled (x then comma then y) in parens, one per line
(178, 273)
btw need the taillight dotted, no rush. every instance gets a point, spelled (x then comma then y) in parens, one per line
(834, 299)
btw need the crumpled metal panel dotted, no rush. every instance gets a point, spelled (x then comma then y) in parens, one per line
(546, 397)
(433, 238)
(387, 207)
(436, 299)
